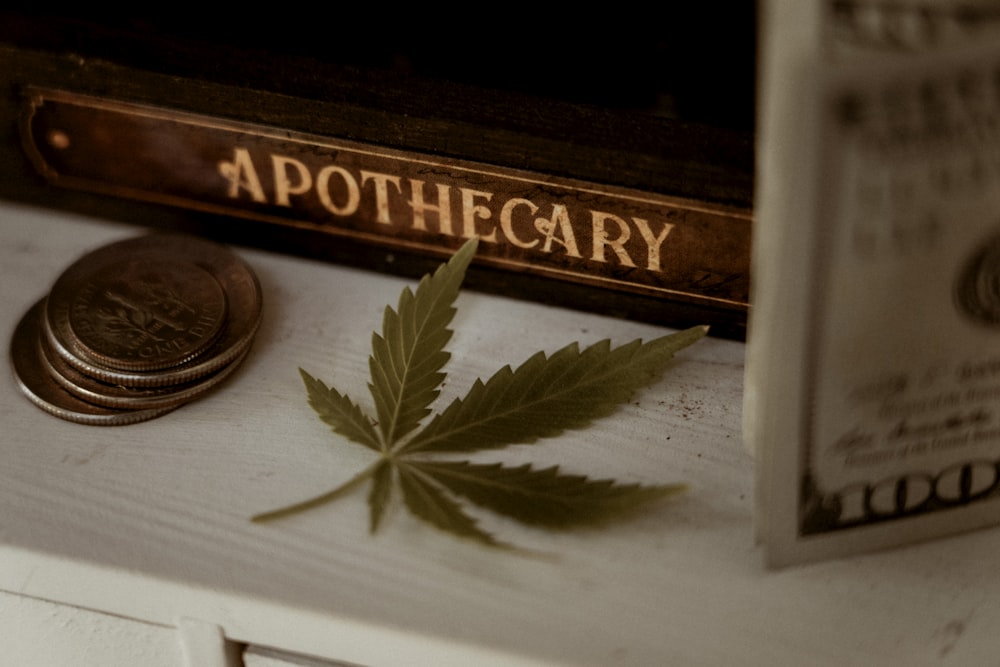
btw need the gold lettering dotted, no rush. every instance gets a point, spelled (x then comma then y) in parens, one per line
(652, 243)
(241, 175)
(381, 182)
(507, 221)
(559, 221)
(443, 208)
(323, 190)
(471, 210)
(603, 240)
(340, 192)
(283, 185)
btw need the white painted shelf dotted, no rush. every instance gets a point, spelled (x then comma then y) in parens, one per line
(150, 522)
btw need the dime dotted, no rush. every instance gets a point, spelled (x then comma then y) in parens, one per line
(38, 386)
(143, 314)
(128, 398)
(135, 329)
(237, 281)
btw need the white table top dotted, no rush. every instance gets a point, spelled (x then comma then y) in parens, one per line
(151, 521)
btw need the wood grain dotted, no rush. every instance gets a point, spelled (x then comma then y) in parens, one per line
(151, 521)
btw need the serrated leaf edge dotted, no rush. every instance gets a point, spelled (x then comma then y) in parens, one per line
(339, 412)
(428, 500)
(420, 321)
(580, 500)
(505, 400)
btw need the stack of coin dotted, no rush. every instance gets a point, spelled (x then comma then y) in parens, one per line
(136, 329)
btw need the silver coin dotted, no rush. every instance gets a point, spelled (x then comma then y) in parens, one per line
(142, 314)
(128, 398)
(237, 279)
(40, 388)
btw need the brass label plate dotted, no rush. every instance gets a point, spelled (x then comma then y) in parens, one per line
(611, 238)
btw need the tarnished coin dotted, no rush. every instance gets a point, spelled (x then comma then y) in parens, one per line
(137, 328)
(128, 398)
(238, 282)
(41, 389)
(142, 314)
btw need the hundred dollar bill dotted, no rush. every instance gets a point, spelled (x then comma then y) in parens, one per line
(873, 378)
(800, 36)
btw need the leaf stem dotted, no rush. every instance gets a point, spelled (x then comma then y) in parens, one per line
(321, 499)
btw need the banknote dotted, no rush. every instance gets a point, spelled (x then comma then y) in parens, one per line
(862, 29)
(873, 378)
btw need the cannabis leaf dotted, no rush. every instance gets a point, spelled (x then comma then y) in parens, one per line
(543, 397)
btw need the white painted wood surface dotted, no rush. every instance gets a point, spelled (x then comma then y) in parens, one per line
(256, 656)
(39, 633)
(150, 521)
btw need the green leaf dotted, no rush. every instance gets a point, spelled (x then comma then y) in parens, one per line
(548, 395)
(542, 497)
(543, 397)
(378, 497)
(429, 502)
(407, 358)
(344, 416)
